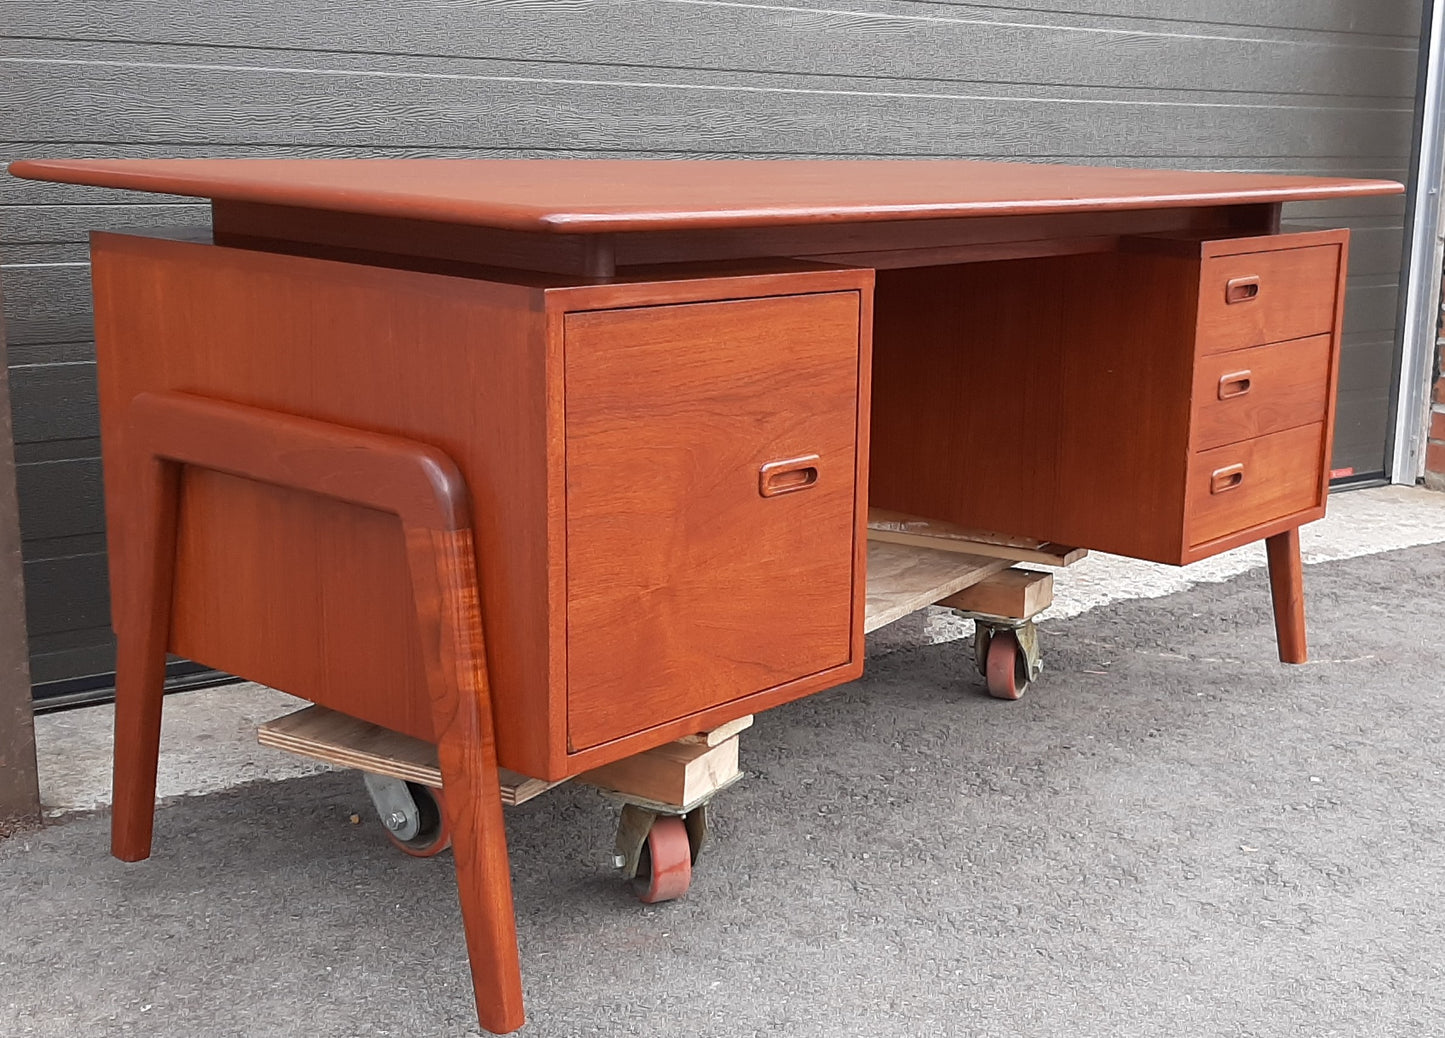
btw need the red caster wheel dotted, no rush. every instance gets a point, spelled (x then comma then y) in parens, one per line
(664, 869)
(1007, 669)
(414, 816)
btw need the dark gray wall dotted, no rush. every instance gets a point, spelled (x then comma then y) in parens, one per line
(1305, 86)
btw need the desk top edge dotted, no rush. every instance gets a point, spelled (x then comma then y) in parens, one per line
(591, 196)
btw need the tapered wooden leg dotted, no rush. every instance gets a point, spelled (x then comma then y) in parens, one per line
(444, 578)
(1286, 585)
(142, 624)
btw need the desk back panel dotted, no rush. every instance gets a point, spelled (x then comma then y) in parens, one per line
(1037, 397)
(966, 363)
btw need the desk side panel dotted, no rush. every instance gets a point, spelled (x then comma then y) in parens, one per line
(1126, 379)
(309, 595)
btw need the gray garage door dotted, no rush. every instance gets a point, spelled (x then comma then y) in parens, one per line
(1300, 86)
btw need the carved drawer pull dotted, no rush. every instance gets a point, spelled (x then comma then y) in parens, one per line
(788, 476)
(1228, 478)
(1241, 290)
(1236, 383)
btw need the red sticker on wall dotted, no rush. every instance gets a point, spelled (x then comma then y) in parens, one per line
(1342, 473)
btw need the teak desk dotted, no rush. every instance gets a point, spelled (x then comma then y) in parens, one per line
(627, 418)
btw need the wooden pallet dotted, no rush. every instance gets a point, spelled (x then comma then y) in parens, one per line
(899, 528)
(336, 738)
(674, 775)
(1019, 594)
(902, 578)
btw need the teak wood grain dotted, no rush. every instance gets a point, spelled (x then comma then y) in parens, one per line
(339, 343)
(1086, 367)
(388, 240)
(160, 435)
(1253, 482)
(695, 576)
(1285, 302)
(1266, 389)
(1286, 585)
(283, 228)
(315, 601)
(591, 195)
(445, 595)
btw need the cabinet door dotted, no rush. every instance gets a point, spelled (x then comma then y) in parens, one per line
(711, 496)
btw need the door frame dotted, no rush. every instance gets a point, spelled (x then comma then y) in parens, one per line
(19, 781)
(1424, 222)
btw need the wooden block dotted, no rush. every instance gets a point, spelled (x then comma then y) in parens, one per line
(1015, 593)
(335, 738)
(720, 734)
(898, 528)
(676, 775)
(904, 579)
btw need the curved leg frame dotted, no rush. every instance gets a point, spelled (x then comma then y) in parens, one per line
(421, 485)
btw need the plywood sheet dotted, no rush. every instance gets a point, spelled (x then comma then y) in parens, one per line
(338, 739)
(899, 528)
(903, 579)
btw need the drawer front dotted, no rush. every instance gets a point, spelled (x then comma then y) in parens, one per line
(1235, 487)
(1248, 393)
(1261, 297)
(711, 504)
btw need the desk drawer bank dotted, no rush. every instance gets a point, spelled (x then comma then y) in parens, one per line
(550, 463)
(1167, 401)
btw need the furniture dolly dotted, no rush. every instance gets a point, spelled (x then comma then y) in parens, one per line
(666, 791)
(628, 419)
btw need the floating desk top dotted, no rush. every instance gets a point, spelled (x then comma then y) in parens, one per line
(587, 196)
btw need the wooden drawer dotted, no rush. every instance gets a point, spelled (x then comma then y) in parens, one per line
(711, 503)
(1265, 389)
(1233, 488)
(1252, 298)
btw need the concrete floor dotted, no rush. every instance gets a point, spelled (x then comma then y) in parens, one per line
(208, 742)
(1171, 834)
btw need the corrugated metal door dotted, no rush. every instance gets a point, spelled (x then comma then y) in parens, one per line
(1301, 86)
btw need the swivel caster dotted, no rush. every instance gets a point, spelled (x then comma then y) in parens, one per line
(1007, 655)
(657, 851)
(414, 816)
(1006, 671)
(664, 868)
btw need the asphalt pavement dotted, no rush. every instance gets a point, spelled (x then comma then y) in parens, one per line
(1171, 834)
